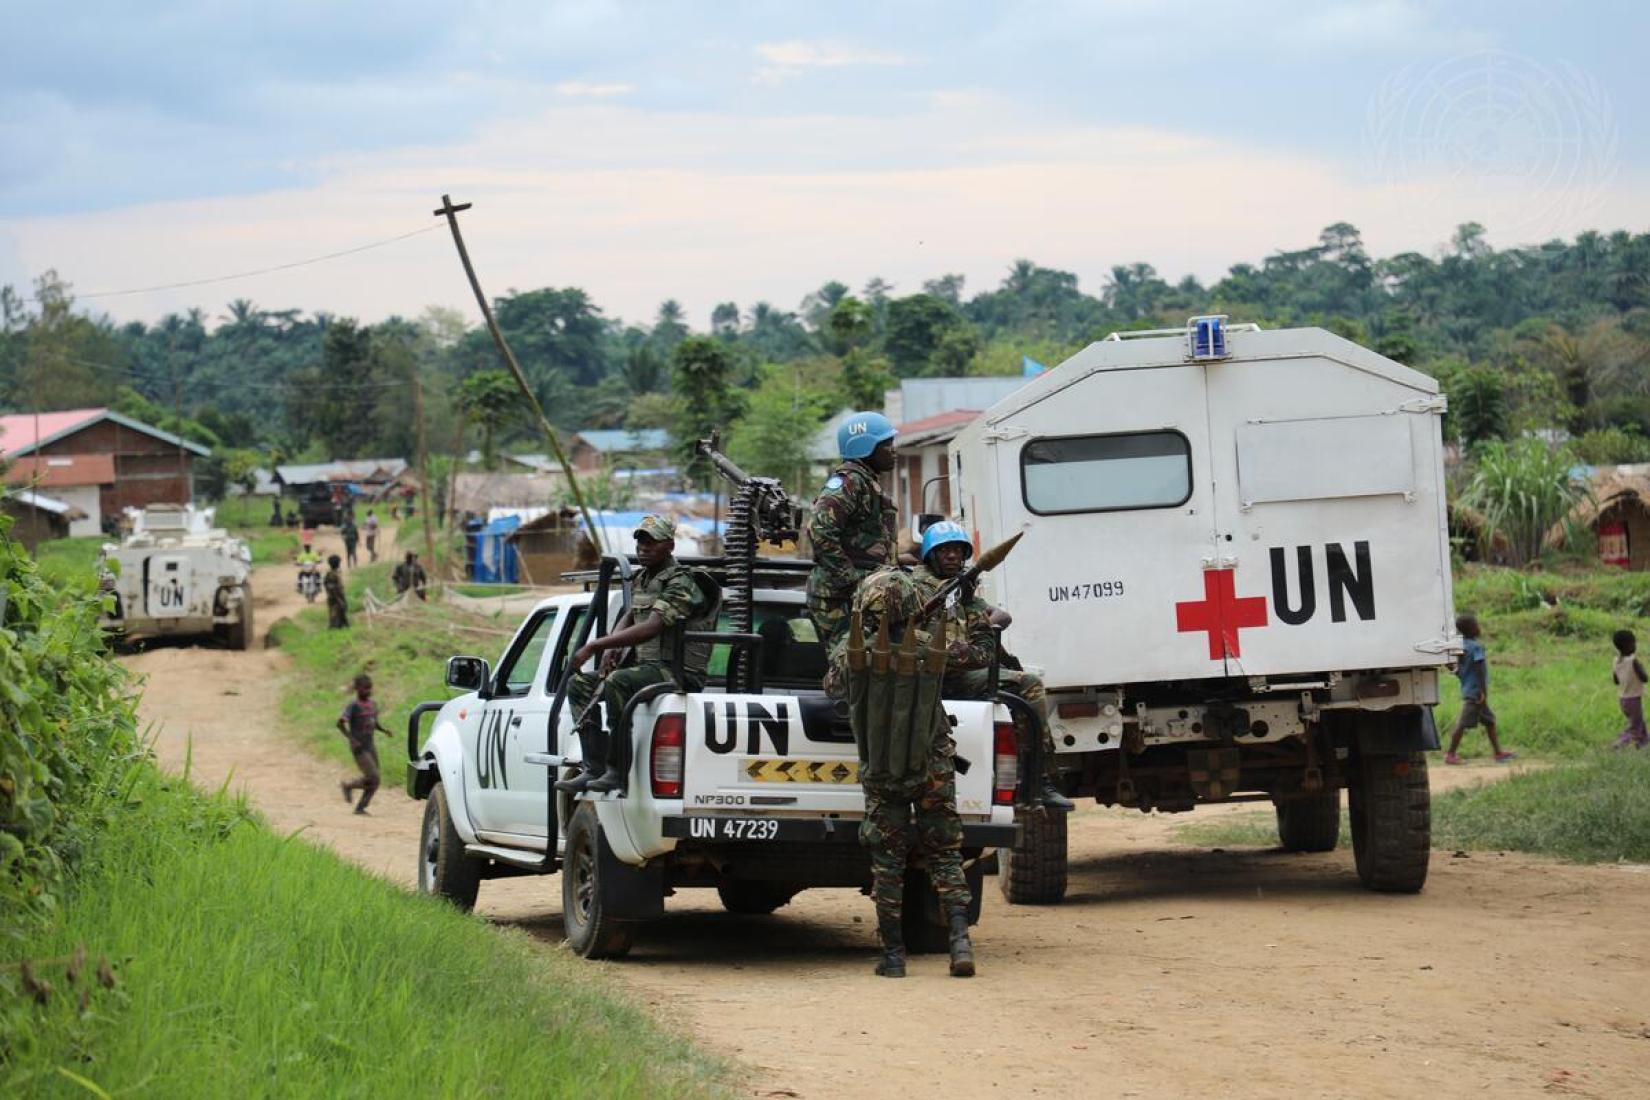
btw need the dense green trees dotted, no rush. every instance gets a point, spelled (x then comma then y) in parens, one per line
(1554, 336)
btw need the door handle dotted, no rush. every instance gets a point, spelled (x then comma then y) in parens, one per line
(516, 721)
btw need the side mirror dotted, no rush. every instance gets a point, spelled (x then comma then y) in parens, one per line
(923, 521)
(467, 673)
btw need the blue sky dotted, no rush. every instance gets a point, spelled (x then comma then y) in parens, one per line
(754, 150)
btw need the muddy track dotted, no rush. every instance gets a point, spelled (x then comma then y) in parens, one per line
(1169, 971)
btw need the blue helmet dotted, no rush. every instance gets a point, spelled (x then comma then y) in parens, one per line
(860, 433)
(940, 533)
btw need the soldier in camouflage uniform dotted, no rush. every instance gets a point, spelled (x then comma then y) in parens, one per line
(851, 527)
(893, 804)
(665, 595)
(971, 638)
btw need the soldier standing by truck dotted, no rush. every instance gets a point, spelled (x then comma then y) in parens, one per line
(337, 605)
(971, 639)
(896, 794)
(851, 526)
(666, 594)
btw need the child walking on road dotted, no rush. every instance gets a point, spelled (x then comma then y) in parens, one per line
(359, 722)
(1473, 670)
(1630, 679)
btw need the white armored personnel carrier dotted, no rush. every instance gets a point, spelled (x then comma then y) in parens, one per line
(1235, 580)
(176, 575)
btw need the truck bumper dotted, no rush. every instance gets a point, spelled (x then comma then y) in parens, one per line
(746, 829)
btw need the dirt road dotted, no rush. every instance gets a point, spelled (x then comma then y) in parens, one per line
(1168, 972)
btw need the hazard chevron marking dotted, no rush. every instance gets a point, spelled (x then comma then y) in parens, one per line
(803, 771)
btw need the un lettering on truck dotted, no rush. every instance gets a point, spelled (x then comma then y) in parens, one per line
(1273, 512)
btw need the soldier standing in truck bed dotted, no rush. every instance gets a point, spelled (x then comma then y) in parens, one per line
(971, 641)
(851, 526)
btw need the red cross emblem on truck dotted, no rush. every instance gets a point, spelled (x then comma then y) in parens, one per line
(1221, 613)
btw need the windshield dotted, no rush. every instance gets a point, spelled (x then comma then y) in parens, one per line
(791, 653)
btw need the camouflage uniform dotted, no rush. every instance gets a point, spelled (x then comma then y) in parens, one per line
(851, 529)
(930, 798)
(970, 640)
(670, 593)
(337, 604)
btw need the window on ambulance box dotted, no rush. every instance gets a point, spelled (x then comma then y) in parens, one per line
(1106, 473)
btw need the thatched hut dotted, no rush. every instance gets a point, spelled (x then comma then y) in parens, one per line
(1618, 514)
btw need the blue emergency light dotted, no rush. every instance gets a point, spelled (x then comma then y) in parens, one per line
(1207, 336)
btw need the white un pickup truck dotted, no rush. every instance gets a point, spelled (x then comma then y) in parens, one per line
(749, 786)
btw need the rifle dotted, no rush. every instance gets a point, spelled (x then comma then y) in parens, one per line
(968, 577)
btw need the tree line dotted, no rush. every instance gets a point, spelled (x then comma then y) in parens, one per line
(1552, 338)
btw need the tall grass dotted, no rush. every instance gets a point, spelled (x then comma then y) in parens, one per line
(245, 964)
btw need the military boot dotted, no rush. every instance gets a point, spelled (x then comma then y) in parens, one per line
(1052, 799)
(594, 748)
(892, 963)
(609, 777)
(962, 951)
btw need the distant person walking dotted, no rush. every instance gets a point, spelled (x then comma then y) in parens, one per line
(337, 605)
(351, 536)
(1473, 670)
(358, 723)
(371, 530)
(1630, 679)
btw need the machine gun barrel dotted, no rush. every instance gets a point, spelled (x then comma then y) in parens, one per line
(725, 466)
(985, 564)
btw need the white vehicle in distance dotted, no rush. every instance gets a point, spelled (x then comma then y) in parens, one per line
(176, 575)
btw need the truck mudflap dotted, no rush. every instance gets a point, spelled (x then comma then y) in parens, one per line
(976, 834)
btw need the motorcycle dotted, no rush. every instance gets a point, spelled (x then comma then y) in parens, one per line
(309, 581)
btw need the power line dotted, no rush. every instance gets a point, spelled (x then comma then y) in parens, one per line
(186, 284)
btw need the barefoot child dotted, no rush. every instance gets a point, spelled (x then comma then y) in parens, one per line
(1630, 679)
(1473, 670)
(358, 723)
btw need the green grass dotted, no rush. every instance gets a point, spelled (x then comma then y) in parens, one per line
(1548, 640)
(245, 964)
(486, 591)
(63, 561)
(1595, 811)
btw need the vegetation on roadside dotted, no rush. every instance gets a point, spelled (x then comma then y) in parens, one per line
(1596, 811)
(156, 940)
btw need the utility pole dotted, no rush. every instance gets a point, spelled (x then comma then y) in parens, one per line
(450, 212)
(423, 466)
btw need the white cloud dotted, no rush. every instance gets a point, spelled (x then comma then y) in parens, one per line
(637, 206)
(584, 89)
(783, 60)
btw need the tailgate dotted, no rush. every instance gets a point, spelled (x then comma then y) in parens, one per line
(788, 755)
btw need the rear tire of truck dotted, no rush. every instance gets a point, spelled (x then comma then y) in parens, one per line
(1034, 871)
(750, 898)
(1391, 812)
(927, 927)
(1310, 824)
(239, 634)
(443, 869)
(591, 933)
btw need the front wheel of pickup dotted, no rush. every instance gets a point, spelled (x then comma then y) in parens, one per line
(591, 932)
(1311, 823)
(1034, 871)
(443, 869)
(1391, 812)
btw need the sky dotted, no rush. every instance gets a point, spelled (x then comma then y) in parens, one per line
(752, 151)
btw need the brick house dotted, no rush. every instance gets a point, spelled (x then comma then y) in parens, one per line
(98, 461)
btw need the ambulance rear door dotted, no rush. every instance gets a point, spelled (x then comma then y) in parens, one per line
(1106, 469)
(1330, 535)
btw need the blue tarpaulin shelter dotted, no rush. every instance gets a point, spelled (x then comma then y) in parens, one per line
(495, 560)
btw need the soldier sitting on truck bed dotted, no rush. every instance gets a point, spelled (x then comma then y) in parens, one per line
(851, 526)
(971, 638)
(666, 594)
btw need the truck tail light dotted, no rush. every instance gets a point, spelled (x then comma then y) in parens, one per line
(665, 755)
(1005, 764)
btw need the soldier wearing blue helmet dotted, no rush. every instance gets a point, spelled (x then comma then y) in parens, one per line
(971, 639)
(851, 526)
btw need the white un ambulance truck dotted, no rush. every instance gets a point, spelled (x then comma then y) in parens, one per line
(1235, 580)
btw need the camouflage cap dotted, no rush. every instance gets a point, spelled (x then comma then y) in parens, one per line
(658, 528)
